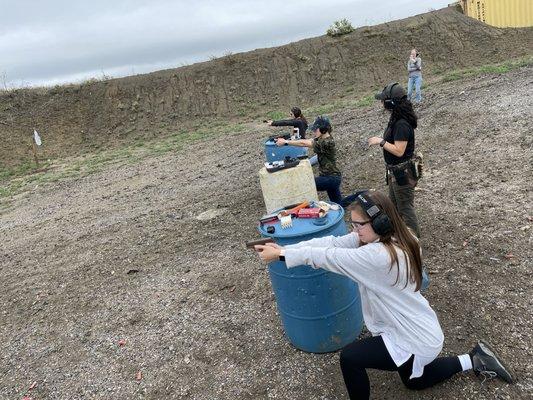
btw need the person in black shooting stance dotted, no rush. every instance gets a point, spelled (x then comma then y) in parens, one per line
(297, 121)
(398, 143)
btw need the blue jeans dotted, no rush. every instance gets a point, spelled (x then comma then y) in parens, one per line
(330, 184)
(415, 81)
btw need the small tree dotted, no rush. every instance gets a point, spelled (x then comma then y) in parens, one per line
(340, 28)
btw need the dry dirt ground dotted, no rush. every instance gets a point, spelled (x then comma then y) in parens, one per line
(198, 320)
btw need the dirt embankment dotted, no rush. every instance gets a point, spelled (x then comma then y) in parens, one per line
(84, 117)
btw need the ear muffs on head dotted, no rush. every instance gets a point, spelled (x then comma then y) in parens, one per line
(380, 222)
(382, 225)
(390, 102)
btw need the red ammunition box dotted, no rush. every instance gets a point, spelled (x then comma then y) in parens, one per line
(309, 213)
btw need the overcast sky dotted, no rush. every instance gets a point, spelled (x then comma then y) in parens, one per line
(56, 41)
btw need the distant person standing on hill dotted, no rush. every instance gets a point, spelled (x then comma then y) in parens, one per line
(329, 178)
(297, 121)
(414, 68)
(398, 143)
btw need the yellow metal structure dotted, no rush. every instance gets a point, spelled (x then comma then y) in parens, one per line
(500, 13)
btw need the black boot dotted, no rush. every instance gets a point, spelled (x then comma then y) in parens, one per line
(485, 362)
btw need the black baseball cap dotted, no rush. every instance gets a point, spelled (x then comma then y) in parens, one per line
(320, 122)
(391, 91)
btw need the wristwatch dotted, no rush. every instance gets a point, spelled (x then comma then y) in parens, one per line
(382, 143)
(282, 255)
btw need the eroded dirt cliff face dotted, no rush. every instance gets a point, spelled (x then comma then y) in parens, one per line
(81, 118)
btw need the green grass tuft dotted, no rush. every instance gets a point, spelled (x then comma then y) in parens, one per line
(365, 101)
(500, 68)
(17, 179)
(276, 115)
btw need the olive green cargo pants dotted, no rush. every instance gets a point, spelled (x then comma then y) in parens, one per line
(403, 198)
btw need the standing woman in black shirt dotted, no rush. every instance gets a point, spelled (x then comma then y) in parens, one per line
(297, 121)
(398, 143)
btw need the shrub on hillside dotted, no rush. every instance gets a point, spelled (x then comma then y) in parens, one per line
(340, 28)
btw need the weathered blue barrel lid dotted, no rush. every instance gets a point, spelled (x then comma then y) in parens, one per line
(273, 152)
(302, 226)
(270, 142)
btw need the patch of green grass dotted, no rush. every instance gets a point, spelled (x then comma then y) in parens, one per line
(452, 76)
(276, 115)
(5, 191)
(322, 109)
(10, 188)
(19, 170)
(17, 179)
(500, 68)
(365, 101)
(494, 69)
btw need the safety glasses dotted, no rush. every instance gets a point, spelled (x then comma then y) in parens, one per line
(358, 224)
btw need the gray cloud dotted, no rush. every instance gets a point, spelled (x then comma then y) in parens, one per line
(51, 42)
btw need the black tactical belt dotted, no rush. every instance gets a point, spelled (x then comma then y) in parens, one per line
(399, 167)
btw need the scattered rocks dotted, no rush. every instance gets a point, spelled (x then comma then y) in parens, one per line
(210, 214)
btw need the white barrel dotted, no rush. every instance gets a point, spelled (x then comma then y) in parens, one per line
(288, 186)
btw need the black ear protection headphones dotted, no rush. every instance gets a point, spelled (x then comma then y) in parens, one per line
(380, 221)
(390, 103)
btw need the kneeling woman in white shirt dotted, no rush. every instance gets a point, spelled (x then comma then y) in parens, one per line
(383, 257)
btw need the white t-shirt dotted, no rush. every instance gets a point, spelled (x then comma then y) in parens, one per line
(403, 317)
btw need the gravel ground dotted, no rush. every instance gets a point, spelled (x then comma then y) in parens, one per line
(115, 288)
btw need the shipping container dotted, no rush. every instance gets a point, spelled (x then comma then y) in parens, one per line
(500, 13)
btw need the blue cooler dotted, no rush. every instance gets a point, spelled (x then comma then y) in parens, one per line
(320, 310)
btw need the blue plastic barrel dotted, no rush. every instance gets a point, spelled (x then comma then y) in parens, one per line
(278, 153)
(320, 310)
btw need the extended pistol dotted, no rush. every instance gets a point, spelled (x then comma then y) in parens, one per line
(252, 243)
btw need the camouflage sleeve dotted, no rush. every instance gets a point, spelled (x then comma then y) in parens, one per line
(316, 146)
(328, 146)
(324, 146)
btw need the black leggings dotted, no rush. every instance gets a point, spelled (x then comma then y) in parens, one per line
(372, 353)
